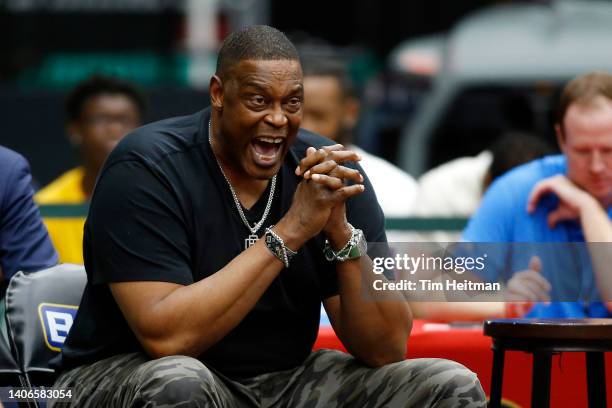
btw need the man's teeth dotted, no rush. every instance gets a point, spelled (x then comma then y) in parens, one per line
(277, 140)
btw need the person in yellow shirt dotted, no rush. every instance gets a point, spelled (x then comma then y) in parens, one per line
(100, 111)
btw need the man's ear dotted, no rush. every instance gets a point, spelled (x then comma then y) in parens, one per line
(74, 134)
(560, 137)
(216, 93)
(351, 113)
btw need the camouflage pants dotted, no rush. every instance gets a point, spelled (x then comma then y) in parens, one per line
(328, 378)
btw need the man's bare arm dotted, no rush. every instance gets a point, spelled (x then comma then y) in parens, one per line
(173, 319)
(374, 331)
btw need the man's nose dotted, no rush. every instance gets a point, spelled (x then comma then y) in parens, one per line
(597, 164)
(277, 118)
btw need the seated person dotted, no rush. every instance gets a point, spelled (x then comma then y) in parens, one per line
(210, 243)
(584, 134)
(24, 243)
(331, 109)
(100, 111)
(577, 204)
(455, 188)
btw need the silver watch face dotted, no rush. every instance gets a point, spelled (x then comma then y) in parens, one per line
(357, 248)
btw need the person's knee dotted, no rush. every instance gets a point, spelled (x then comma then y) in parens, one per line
(440, 382)
(454, 384)
(176, 380)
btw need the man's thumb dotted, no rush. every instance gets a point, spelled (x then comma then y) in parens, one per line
(535, 263)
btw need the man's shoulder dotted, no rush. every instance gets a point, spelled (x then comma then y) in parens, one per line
(14, 173)
(157, 140)
(525, 176)
(9, 159)
(502, 215)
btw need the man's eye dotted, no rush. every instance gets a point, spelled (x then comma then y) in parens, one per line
(258, 100)
(294, 103)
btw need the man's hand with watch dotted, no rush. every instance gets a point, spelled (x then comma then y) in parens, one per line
(344, 242)
(277, 246)
(354, 248)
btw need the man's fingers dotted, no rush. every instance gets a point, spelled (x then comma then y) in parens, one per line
(335, 153)
(332, 183)
(347, 173)
(332, 168)
(520, 290)
(314, 156)
(527, 292)
(540, 189)
(530, 284)
(558, 215)
(554, 217)
(520, 295)
(331, 148)
(342, 156)
(536, 277)
(345, 192)
(534, 274)
(535, 263)
(321, 168)
(569, 194)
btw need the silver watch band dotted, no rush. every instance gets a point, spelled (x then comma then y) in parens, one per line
(354, 248)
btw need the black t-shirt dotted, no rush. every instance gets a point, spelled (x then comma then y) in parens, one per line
(162, 211)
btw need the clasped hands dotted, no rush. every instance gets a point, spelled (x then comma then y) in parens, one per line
(321, 195)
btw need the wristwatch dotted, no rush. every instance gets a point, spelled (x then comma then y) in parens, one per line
(277, 246)
(354, 248)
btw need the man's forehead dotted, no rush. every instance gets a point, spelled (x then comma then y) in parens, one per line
(589, 121)
(326, 80)
(328, 83)
(588, 105)
(253, 70)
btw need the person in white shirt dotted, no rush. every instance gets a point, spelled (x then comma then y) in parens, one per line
(331, 109)
(455, 188)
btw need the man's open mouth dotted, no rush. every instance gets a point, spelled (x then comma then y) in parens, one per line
(267, 150)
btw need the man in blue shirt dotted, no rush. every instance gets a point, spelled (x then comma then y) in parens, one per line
(584, 133)
(24, 243)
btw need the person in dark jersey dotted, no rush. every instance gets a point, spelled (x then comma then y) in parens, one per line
(212, 240)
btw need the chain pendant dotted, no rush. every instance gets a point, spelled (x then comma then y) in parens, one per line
(252, 238)
(250, 241)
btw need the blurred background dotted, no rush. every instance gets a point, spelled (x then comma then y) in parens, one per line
(437, 79)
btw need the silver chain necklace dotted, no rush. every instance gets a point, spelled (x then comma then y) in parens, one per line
(252, 238)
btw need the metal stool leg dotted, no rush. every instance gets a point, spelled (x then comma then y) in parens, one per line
(596, 379)
(540, 382)
(497, 377)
